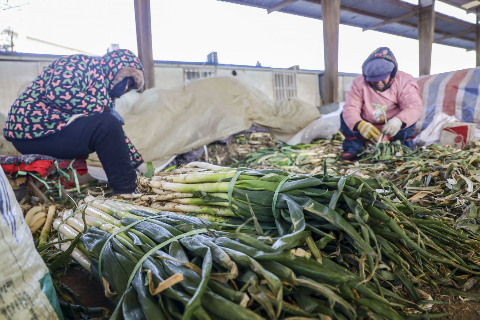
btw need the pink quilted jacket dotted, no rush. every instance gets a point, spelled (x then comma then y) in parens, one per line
(401, 100)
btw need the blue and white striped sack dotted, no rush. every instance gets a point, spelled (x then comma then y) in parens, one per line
(26, 288)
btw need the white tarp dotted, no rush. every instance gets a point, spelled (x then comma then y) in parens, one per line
(321, 128)
(432, 132)
(163, 123)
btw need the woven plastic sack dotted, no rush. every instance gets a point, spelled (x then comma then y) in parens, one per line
(453, 93)
(26, 288)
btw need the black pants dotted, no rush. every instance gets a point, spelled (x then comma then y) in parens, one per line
(101, 133)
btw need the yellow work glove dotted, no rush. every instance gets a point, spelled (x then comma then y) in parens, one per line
(367, 130)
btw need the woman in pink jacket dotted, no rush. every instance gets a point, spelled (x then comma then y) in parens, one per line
(384, 100)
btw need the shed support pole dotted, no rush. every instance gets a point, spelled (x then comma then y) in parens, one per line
(144, 40)
(426, 27)
(331, 22)
(477, 38)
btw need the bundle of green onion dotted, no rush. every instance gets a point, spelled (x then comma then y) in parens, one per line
(366, 225)
(385, 150)
(160, 265)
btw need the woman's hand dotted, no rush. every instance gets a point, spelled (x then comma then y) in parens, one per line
(367, 130)
(392, 127)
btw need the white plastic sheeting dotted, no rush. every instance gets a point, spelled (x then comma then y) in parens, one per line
(322, 128)
(432, 132)
(163, 123)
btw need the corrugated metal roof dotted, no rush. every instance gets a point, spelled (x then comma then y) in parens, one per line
(368, 13)
(471, 4)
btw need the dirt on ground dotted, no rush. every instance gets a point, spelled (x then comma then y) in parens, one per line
(225, 154)
(458, 307)
(91, 294)
(89, 291)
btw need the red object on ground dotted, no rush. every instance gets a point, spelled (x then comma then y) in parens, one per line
(42, 167)
(9, 168)
(46, 167)
(79, 164)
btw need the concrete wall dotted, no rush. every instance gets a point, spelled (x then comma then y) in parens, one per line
(308, 88)
(344, 84)
(14, 78)
(262, 80)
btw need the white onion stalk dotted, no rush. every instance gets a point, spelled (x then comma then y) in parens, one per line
(98, 203)
(219, 195)
(66, 214)
(195, 201)
(177, 207)
(201, 177)
(97, 213)
(166, 196)
(65, 229)
(77, 255)
(116, 207)
(184, 170)
(76, 223)
(105, 226)
(208, 166)
(196, 177)
(188, 188)
(160, 191)
(128, 196)
(128, 206)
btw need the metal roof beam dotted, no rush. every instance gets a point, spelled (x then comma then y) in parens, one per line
(376, 16)
(477, 38)
(144, 40)
(456, 35)
(453, 20)
(331, 24)
(426, 33)
(402, 22)
(281, 5)
(393, 20)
